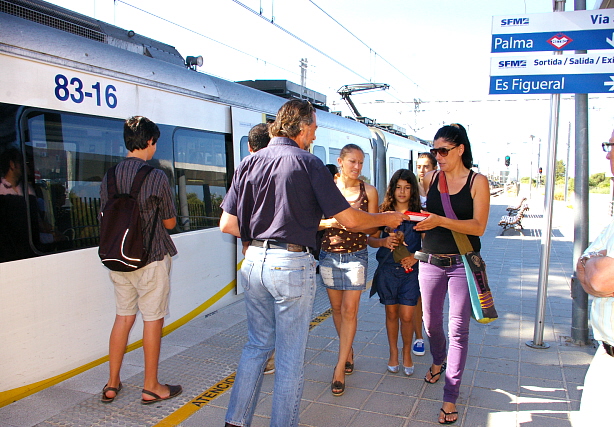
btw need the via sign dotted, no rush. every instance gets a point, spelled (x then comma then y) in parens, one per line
(555, 31)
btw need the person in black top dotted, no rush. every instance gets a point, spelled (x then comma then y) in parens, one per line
(276, 200)
(444, 272)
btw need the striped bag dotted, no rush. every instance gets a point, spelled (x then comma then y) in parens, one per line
(482, 302)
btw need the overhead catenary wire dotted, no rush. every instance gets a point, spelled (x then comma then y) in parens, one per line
(206, 37)
(365, 44)
(306, 43)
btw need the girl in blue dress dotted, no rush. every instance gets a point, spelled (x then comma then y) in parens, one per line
(396, 277)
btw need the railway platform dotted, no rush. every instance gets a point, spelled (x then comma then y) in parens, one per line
(506, 383)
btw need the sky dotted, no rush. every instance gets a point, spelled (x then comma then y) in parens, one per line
(434, 54)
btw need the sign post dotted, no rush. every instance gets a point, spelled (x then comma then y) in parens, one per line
(594, 73)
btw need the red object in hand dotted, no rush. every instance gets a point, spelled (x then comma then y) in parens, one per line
(409, 270)
(416, 216)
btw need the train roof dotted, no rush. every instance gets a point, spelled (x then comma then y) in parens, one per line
(118, 55)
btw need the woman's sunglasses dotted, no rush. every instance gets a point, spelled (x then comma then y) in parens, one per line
(443, 152)
(607, 146)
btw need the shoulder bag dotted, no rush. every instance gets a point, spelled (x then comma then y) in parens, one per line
(482, 303)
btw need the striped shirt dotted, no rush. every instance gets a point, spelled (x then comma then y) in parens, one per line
(155, 194)
(602, 312)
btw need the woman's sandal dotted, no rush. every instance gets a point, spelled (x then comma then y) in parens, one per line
(105, 389)
(174, 391)
(349, 367)
(337, 388)
(445, 414)
(437, 375)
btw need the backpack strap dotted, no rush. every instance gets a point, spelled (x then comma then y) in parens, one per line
(111, 182)
(137, 183)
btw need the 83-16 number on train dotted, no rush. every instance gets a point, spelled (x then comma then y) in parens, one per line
(63, 92)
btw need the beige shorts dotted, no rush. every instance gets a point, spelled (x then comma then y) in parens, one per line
(145, 290)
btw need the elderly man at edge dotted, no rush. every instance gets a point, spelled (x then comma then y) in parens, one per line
(276, 200)
(595, 271)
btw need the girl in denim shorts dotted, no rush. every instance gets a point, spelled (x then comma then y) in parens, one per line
(396, 277)
(343, 260)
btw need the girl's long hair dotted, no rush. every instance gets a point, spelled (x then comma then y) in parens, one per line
(414, 198)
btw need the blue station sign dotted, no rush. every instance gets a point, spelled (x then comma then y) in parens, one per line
(547, 63)
(557, 31)
(551, 83)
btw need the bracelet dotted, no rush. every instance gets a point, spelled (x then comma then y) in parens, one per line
(588, 256)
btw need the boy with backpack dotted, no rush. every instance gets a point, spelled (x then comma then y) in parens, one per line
(137, 288)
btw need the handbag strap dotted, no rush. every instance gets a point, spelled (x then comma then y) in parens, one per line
(461, 239)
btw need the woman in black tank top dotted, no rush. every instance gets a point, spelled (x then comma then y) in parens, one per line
(443, 272)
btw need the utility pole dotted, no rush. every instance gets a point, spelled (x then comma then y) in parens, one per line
(567, 162)
(542, 285)
(579, 298)
(303, 77)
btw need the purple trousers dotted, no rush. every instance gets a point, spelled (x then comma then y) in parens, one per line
(435, 282)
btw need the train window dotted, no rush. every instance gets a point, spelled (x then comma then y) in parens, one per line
(66, 157)
(244, 147)
(201, 177)
(333, 155)
(319, 152)
(395, 165)
(366, 169)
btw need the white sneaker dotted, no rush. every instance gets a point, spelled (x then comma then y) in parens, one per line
(418, 347)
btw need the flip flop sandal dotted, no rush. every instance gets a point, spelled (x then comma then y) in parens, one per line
(175, 390)
(437, 375)
(445, 414)
(105, 389)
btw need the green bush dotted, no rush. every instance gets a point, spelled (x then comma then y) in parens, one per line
(595, 179)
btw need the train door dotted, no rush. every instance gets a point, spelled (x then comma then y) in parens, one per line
(242, 122)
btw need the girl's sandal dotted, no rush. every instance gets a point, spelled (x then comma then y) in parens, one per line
(445, 417)
(436, 375)
(105, 389)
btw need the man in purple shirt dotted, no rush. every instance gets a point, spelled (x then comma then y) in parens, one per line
(276, 200)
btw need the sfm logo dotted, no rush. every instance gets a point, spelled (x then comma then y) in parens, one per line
(514, 22)
(513, 64)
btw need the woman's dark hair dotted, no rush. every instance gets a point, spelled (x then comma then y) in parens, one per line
(457, 135)
(414, 199)
(332, 168)
(11, 154)
(137, 131)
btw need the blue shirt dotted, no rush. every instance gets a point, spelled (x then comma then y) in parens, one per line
(281, 193)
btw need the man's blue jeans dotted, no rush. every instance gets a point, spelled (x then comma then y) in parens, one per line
(279, 293)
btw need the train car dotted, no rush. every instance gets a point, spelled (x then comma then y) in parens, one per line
(67, 84)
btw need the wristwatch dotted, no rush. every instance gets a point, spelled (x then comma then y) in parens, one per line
(588, 256)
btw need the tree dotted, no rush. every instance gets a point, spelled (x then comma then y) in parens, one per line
(559, 171)
(595, 179)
